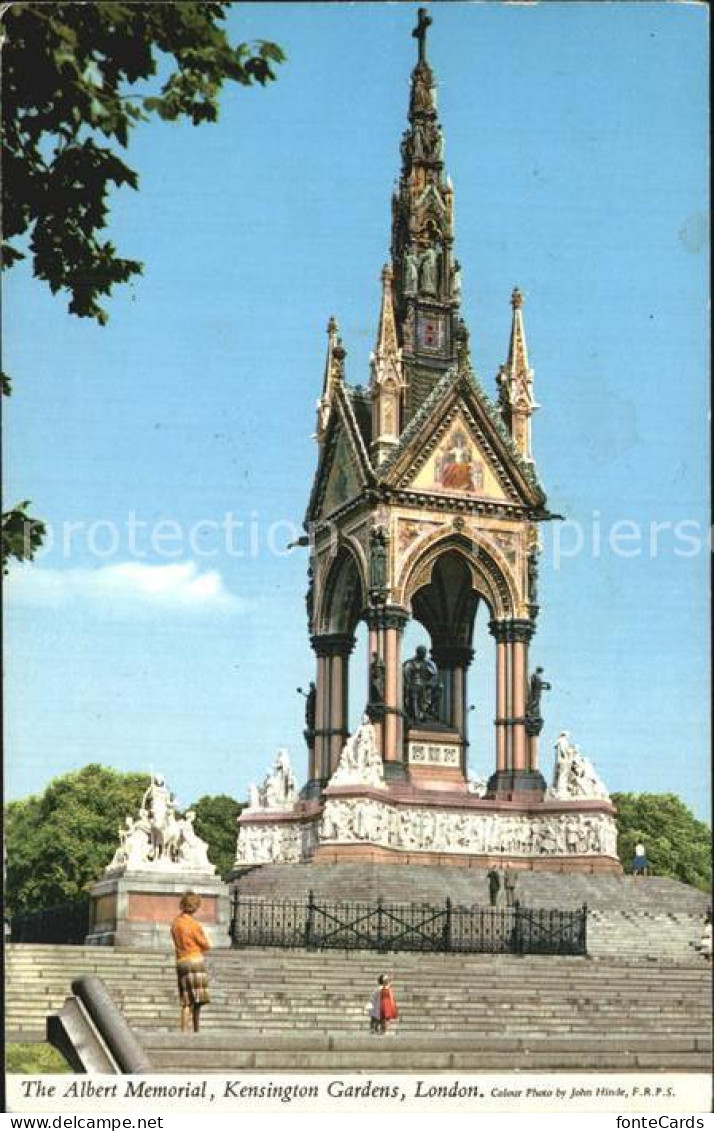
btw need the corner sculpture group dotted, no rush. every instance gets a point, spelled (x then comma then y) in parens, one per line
(158, 839)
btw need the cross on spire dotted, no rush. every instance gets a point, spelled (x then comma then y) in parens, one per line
(420, 32)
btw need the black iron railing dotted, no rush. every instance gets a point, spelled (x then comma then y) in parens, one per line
(321, 925)
(66, 924)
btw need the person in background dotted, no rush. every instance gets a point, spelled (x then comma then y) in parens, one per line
(640, 865)
(375, 1009)
(387, 1005)
(190, 944)
(509, 886)
(494, 886)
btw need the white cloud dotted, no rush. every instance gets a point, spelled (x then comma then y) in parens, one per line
(123, 588)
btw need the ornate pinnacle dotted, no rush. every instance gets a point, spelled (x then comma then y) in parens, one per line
(387, 341)
(420, 32)
(516, 299)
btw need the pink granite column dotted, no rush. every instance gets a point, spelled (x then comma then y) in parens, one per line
(501, 705)
(393, 752)
(321, 699)
(518, 701)
(333, 650)
(376, 647)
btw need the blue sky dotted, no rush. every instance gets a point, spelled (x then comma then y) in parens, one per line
(576, 138)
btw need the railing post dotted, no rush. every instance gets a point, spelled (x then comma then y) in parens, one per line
(518, 940)
(584, 933)
(309, 919)
(447, 925)
(233, 927)
(379, 923)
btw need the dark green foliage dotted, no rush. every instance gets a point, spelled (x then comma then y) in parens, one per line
(22, 535)
(59, 842)
(75, 83)
(216, 823)
(677, 844)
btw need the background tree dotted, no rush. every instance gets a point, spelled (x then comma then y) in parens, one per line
(22, 535)
(216, 823)
(60, 841)
(677, 844)
(74, 84)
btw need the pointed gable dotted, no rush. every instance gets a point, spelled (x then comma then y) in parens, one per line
(458, 446)
(344, 468)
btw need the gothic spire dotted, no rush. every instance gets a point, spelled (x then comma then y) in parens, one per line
(515, 381)
(426, 278)
(387, 376)
(334, 375)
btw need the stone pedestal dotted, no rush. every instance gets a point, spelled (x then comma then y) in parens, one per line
(136, 909)
(435, 758)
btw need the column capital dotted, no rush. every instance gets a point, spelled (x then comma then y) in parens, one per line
(333, 644)
(387, 616)
(515, 629)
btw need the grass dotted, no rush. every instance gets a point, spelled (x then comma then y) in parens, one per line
(37, 1059)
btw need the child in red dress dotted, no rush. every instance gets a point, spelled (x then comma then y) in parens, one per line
(388, 1006)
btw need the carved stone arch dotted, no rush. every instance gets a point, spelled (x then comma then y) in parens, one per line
(491, 576)
(342, 595)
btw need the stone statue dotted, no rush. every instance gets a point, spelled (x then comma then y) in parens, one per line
(429, 263)
(279, 788)
(533, 576)
(158, 806)
(378, 540)
(193, 850)
(422, 690)
(377, 680)
(456, 281)
(417, 141)
(310, 705)
(477, 787)
(310, 597)
(534, 719)
(411, 272)
(422, 89)
(360, 761)
(158, 841)
(574, 775)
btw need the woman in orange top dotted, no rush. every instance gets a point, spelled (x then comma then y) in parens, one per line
(388, 1005)
(190, 943)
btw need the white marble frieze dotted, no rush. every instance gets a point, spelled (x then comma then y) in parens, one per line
(269, 842)
(415, 829)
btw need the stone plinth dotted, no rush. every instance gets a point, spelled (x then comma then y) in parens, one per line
(435, 759)
(135, 909)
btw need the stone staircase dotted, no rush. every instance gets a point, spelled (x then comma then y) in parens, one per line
(274, 1009)
(648, 917)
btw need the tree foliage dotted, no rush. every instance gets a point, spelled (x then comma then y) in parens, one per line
(216, 818)
(60, 841)
(75, 83)
(22, 535)
(677, 844)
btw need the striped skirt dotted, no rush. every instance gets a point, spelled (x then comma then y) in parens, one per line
(192, 982)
